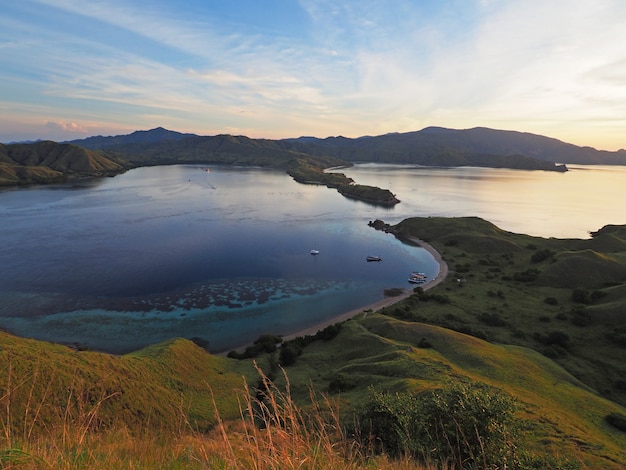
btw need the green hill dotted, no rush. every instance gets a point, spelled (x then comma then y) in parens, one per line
(157, 386)
(561, 415)
(50, 162)
(560, 297)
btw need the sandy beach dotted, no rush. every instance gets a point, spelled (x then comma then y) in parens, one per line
(387, 301)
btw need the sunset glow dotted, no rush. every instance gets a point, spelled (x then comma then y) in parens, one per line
(286, 68)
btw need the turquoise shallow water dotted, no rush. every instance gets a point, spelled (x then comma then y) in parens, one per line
(163, 252)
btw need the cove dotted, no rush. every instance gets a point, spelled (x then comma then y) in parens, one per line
(178, 251)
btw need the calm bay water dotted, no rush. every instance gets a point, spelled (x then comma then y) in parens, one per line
(540, 203)
(159, 252)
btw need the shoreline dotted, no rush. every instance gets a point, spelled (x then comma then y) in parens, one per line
(385, 302)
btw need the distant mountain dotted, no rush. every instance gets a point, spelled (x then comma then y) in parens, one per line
(157, 135)
(50, 162)
(162, 147)
(432, 146)
(450, 147)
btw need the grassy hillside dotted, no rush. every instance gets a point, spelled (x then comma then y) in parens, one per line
(561, 297)
(50, 162)
(157, 386)
(560, 415)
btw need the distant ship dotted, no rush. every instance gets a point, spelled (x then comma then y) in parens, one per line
(374, 258)
(315, 252)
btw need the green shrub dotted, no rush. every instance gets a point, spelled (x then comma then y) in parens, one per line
(551, 301)
(617, 420)
(341, 383)
(581, 296)
(472, 423)
(288, 354)
(541, 255)
(492, 319)
(581, 318)
(529, 275)
(554, 338)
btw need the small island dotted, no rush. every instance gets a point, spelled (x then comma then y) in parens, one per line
(308, 174)
(369, 194)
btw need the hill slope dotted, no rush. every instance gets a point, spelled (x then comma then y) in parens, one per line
(50, 162)
(160, 386)
(176, 385)
(565, 298)
(373, 351)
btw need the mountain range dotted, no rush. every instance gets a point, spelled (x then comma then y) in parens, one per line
(443, 147)
(48, 162)
(432, 146)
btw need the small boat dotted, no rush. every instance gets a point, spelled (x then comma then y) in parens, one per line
(374, 258)
(417, 278)
(315, 252)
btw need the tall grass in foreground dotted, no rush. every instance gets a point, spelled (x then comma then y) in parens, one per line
(272, 433)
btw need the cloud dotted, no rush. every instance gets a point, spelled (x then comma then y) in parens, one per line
(61, 126)
(349, 67)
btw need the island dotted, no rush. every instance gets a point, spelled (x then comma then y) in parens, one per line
(305, 173)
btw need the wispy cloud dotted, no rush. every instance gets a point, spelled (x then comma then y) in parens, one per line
(349, 67)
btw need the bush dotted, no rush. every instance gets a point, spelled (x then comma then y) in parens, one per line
(617, 336)
(529, 275)
(263, 344)
(597, 294)
(551, 301)
(472, 423)
(288, 354)
(581, 296)
(541, 255)
(341, 383)
(558, 338)
(492, 319)
(581, 318)
(617, 420)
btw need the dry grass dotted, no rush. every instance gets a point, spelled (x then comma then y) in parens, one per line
(272, 433)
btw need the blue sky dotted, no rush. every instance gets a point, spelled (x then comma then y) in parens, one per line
(285, 68)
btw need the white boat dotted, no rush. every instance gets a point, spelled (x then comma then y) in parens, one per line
(374, 258)
(417, 278)
(315, 252)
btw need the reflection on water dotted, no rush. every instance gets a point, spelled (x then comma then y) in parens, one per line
(118, 263)
(541, 203)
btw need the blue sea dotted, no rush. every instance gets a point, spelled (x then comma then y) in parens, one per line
(223, 255)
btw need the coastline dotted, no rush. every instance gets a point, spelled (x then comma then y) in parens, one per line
(386, 302)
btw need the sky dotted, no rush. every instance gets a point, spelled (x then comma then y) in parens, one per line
(70, 69)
